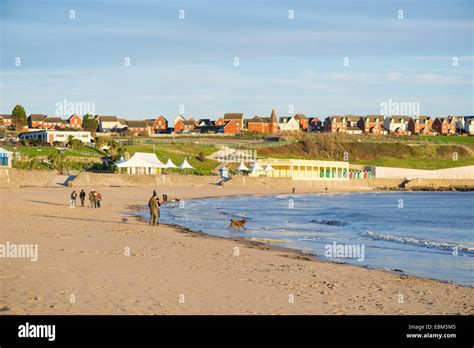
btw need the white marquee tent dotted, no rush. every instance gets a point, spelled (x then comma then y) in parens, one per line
(242, 167)
(142, 163)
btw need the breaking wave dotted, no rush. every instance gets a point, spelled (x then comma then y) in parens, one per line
(421, 242)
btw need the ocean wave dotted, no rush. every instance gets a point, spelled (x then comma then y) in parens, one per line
(421, 242)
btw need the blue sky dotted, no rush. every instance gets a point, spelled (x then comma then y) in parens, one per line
(283, 61)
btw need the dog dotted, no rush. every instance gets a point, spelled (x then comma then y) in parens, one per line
(237, 225)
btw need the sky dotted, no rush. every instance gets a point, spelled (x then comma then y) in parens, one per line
(140, 59)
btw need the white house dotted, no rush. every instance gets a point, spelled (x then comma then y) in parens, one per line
(5, 158)
(397, 124)
(60, 136)
(289, 124)
(108, 123)
(469, 125)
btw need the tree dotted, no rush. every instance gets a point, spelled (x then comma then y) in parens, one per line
(57, 161)
(202, 157)
(19, 117)
(89, 123)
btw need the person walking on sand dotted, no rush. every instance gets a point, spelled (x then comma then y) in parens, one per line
(72, 203)
(92, 201)
(98, 198)
(154, 205)
(82, 197)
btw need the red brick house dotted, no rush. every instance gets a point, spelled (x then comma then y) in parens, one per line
(371, 124)
(231, 127)
(263, 124)
(53, 122)
(236, 117)
(335, 124)
(184, 126)
(6, 120)
(160, 124)
(220, 122)
(36, 121)
(75, 122)
(303, 121)
(422, 125)
(445, 125)
(140, 127)
(315, 125)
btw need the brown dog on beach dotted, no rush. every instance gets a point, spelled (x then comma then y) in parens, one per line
(237, 225)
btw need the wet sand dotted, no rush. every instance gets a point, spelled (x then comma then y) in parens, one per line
(90, 262)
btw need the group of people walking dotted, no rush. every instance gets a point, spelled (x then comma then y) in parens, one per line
(95, 198)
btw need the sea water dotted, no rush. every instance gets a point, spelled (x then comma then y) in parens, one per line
(426, 234)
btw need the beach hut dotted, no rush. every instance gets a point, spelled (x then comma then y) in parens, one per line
(5, 158)
(242, 167)
(142, 163)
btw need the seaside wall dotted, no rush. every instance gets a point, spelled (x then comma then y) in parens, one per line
(126, 180)
(12, 178)
(466, 172)
(346, 185)
(440, 184)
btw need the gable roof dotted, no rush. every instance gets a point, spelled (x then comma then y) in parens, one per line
(399, 119)
(69, 118)
(137, 124)
(234, 116)
(300, 116)
(6, 116)
(53, 119)
(106, 118)
(36, 117)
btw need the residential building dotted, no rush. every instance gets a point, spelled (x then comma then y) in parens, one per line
(52, 136)
(397, 124)
(445, 125)
(372, 124)
(421, 125)
(231, 127)
(75, 122)
(107, 123)
(263, 124)
(335, 124)
(6, 120)
(298, 169)
(353, 124)
(237, 117)
(220, 122)
(161, 124)
(177, 119)
(469, 125)
(303, 121)
(53, 122)
(184, 126)
(36, 121)
(5, 158)
(289, 124)
(141, 127)
(315, 124)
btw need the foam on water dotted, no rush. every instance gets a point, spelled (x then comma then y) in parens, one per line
(419, 238)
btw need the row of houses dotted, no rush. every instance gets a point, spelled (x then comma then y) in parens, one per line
(401, 125)
(235, 123)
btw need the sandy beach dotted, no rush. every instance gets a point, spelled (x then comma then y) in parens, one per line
(84, 266)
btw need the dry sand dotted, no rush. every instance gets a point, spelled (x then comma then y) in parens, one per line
(82, 252)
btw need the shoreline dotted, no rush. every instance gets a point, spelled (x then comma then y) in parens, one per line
(81, 252)
(298, 254)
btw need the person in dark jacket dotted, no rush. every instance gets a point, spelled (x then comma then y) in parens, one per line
(98, 198)
(72, 204)
(92, 201)
(82, 197)
(154, 205)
